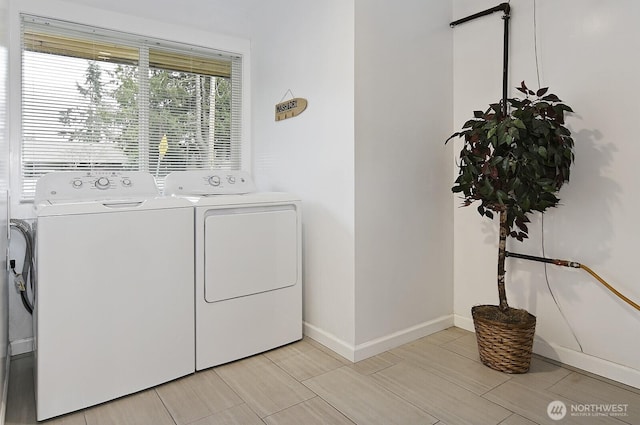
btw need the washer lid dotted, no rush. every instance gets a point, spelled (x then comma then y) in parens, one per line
(47, 208)
(208, 182)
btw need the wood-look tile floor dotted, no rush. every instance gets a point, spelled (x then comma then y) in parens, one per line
(434, 380)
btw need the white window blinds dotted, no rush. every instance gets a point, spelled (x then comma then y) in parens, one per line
(99, 99)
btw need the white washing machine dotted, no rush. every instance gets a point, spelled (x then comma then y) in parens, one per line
(114, 305)
(248, 265)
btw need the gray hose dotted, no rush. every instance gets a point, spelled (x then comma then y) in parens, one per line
(28, 271)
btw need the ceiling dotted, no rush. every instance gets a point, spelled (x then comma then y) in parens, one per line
(193, 13)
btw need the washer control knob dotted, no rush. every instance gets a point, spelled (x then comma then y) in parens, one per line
(214, 180)
(231, 179)
(126, 182)
(103, 183)
(77, 184)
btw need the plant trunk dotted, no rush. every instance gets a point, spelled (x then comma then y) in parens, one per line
(211, 145)
(199, 142)
(502, 245)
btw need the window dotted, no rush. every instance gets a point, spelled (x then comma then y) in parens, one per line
(99, 99)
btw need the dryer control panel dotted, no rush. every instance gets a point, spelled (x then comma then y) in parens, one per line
(72, 186)
(208, 182)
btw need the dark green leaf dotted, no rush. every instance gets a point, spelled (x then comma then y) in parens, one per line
(542, 91)
(564, 107)
(516, 103)
(542, 105)
(501, 196)
(551, 98)
(518, 123)
(451, 137)
(495, 160)
(469, 124)
(522, 226)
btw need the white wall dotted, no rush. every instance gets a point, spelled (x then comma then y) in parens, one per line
(587, 53)
(230, 17)
(4, 193)
(403, 212)
(377, 216)
(307, 47)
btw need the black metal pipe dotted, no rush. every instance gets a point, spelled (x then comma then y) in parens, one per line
(529, 257)
(504, 7)
(563, 263)
(505, 60)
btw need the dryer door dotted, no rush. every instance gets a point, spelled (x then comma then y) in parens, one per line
(249, 250)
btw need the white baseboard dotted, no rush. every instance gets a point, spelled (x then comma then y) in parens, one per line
(463, 322)
(329, 340)
(378, 345)
(5, 385)
(602, 367)
(396, 339)
(586, 362)
(21, 346)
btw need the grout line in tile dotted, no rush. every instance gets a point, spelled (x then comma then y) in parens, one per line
(337, 408)
(496, 386)
(213, 369)
(282, 369)
(262, 418)
(413, 404)
(155, 390)
(325, 400)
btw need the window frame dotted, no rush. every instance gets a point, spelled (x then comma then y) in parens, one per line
(169, 33)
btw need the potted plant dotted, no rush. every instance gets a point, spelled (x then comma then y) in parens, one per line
(513, 162)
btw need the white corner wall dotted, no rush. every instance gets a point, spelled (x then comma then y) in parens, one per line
(404, 217)
(367, 158)
(587, 56)
(306, 46)
(4, 208)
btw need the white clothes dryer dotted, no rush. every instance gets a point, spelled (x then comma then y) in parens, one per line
(248, 274)
(114, 303)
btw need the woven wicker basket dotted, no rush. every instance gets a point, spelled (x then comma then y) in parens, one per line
(505, 347)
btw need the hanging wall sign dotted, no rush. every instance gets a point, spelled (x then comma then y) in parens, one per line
(290, 108)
